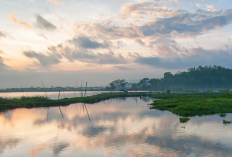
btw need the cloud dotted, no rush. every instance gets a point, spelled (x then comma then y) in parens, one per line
(90, 57)
(147, 8)
(155, 33)
(81, 48)
(88, 43)
(122, 68)
(13, 18)
(210, 6)
(184, 145)
(186, 24)
(44, 59)
(1, 52)
(57, 148)
(8, 143)
(145, 12)
(38, 149)
(170, 55)
(44, 24)
(56, 53)
(2, 65)
(56, 2)
(194, 57)
(107, 30)
(140, 42)
(43, 36)
(94, 131)
(2, 35)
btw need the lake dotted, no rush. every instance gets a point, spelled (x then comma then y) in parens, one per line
(51, 95)
(54, 95)
(123, 127)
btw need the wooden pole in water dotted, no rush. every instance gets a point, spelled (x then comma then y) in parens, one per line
(59, 106)
(85, 89)
(59, 95)
(87, 112)
(61, 112)
(74, 92)
(46, 97)
(44, 89)
(76, 89)
(81, 89)
(64, 92)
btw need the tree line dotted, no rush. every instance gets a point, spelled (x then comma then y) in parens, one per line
(201, 77)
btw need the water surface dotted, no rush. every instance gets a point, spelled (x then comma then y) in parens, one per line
(51, 95)
(123, 127)
(54, 95)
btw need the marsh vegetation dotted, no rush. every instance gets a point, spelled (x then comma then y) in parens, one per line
(38, 101)
(189, 105)
(184, 105)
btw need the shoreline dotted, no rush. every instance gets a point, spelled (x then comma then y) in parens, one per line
(184, 105)
(35, 102)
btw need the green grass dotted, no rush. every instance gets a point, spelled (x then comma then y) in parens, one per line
(189, 105)
(30, 102)
(184, 119)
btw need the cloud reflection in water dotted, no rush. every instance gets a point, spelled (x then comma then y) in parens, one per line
(121, 127)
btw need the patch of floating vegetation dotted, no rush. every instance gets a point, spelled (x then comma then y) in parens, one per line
(33, 102)
(226, 122)
(189, 105)
(184, 119)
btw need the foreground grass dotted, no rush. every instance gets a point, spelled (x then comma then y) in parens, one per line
(189, 105)
(30, 102)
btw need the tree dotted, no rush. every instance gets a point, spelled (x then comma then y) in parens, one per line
(118, 84)
(195, 78)
(144, 83)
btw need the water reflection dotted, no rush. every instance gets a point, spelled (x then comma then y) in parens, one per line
(51, 95)
(117, 127)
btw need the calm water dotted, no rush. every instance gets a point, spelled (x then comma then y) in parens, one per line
(51, 95)
(115, 128)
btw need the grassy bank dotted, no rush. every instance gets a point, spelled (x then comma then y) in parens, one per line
(30, 102)
(188, 105)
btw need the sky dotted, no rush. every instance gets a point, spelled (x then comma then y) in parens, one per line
(66, 41)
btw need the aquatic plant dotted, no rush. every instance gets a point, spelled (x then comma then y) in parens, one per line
(188, 105)
(226, 122)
